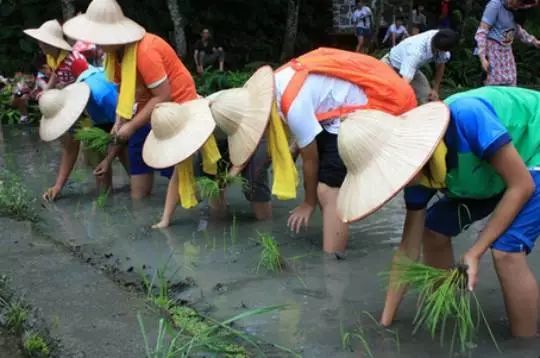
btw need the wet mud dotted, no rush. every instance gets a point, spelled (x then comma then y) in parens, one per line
(212, 264)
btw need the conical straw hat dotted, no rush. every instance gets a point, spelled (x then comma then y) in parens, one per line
(104, 23)
(178, 131)
(50, 33)
(61, 109)
(383, 153)
(243, 113)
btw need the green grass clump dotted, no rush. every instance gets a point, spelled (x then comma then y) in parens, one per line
(271, 258)
(94, 138)
(15, 201)
(444, 300)
(35, 346)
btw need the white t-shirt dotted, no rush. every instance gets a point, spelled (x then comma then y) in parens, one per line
(318, 94)
(363, 17)
(401, 30)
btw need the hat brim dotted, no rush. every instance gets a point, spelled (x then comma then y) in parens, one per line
(163, 153)
(76, 98)
(244, 142)
(39, 35)
(120, 33)
(410, 142)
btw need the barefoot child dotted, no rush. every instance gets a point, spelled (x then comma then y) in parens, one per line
(313, 93)
(488, 163)
(93, 93)
(148, 72)
(243, 117)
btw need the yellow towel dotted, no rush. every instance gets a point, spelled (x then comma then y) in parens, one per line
(211, 156)
(285, 174)
(128, 85)
(187, 187)
(54, 63)
(437, 166)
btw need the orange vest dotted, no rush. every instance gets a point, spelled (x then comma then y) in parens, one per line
(385, 89)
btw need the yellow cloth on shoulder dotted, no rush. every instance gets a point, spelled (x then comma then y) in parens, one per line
(54, 63)
(128, 83)
(285, 178)
(187, 186)
(437, 167)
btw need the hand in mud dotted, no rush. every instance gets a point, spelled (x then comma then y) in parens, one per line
(161, 225)
(471, 261)
(51, 194)
(103, 168)
(485, 64)
(300, 217)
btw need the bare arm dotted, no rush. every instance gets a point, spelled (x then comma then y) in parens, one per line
(409, 247)
(171, 202)
(196, 57)
(70, 152)
(519, 188)
(301, 215)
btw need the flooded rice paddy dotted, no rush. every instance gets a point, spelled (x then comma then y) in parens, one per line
(214, 263)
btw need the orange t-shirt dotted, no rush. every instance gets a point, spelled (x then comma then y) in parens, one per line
(156, 62)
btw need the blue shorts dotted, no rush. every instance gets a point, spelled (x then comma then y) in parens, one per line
(137, 166)
(452, 216)
(360, 31)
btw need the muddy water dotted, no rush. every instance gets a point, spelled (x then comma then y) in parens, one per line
(324, 297)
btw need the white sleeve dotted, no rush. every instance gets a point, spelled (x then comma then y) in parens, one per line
(302, 120)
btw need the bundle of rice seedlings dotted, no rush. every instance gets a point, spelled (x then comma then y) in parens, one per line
(94, 138)
(211, 188)
(101, 200)
(444, 299)
(271, 258)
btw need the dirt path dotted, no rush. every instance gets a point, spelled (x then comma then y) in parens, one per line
(84, 309)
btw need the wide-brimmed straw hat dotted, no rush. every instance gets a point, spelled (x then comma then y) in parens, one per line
(383, 153)
(61, 109)
(178, 131)
(104, 23)
(50, 33)
(243, 113)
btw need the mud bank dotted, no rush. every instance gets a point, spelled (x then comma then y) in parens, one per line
(212, 264)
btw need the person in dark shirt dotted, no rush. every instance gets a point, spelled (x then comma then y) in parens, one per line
(206, 52)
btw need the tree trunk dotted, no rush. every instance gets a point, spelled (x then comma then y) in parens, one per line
(178, 24)
(291, 30)
(379, 12)
(68, 10)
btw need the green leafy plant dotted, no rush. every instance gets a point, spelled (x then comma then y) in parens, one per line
(35, 346)
(101, 200)
(15, 201)
(214, 81)
(94, 138)
(271, 258)
(444, 300)
(210, 189)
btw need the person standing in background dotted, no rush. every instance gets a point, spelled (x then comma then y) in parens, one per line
(444, 18)
(495, 37)
(396, 33)
(206, 52)
(419, 20)
(362, 17)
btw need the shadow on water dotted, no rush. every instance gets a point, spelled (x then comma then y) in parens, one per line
(326, 298)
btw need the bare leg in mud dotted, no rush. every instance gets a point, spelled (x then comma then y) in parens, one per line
(171, 201)
(520, 292)
(335, 232)
(437, 249)
(141, 185)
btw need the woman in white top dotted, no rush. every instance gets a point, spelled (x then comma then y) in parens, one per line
(362, 17)
(396, 32)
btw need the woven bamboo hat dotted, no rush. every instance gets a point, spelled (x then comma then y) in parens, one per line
(50, 33)
(104, 23)
(383, 153)
(178, 131)
(61, 109)
(243, 113)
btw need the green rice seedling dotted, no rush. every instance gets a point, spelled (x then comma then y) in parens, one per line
(94, 138)
(15, 201)
(208, 188)
(35, 346)
(101, 200)
(17, 314)
(271, 258)
(78, 176)
(444, 300)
